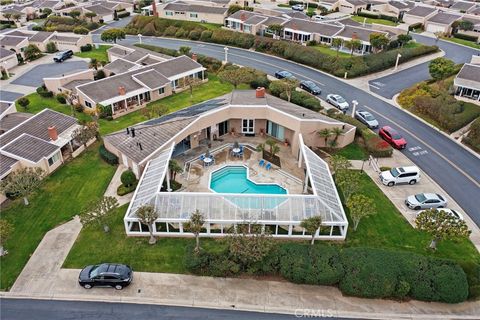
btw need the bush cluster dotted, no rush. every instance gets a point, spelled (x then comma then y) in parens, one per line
(66, 24)
(87, 47)
(465, 37)
(473, 139)
(107, 156)
(361, 272)
(355, 66)
(376, 16)
(80, 30)
(310, 4)
(123, 14)
(128, 178)
(61, 98)
(42, 91)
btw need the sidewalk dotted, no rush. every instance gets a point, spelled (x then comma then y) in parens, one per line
(43, 278)
(114, 183)
(398, 194)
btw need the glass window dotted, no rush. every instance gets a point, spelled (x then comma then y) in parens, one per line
(54, 159)
(248, 126)
(275, 130)
(88, 104)
(161, 91)
(168, 13)
(193, 15)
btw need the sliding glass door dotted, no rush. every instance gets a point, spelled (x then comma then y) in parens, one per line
(275, 130)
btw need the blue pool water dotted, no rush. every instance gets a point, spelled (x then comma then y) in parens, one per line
(233, 179)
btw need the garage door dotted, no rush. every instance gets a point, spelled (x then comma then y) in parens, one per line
(433, 28)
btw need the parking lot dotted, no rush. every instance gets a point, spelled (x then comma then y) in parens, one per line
(34, 77)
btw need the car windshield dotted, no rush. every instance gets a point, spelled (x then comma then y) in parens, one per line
(94, 272)
(420, 197)
(394, 172)
(455, 214)
(396, 136)
(340, 99)
(369, 117)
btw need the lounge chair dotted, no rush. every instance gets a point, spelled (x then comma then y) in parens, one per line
(261, 163)
(268, 166)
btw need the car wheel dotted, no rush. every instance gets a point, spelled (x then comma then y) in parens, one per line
(391, 184)
(440, 207)
(417, 208)
(119, 287)
(87, 286)
(412, 182)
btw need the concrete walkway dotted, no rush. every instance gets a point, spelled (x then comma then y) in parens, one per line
(114, 184)
(43, 278)
(398, 194)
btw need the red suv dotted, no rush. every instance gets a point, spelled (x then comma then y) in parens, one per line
(393, 137)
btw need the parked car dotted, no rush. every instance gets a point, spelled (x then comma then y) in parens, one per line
(282, 74)
(311, 87)
(393, 137)
(366, 118)
(454, 213)
(106, 275)
(337, 101)
(298, 7)
(410, 175)
(63, 55)
(318, 17)
(426, 201)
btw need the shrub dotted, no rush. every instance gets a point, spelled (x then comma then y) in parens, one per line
(128, 178)
(195, 34)
(170, 31)
(61, 98)
(473, 136)
(180, 33)
(51, 47)
(123, 14)
(123, 190)
(87, 47)
(100, 74)
(465, 37)
(93, 25)
(416, 26)
(206, 35)
(37, 28)
(347, 119)
(375, 145)
(260, 81)
(168, 52)
(42, 91)
(107, 156)
(23, 102)
(80, 30)
(78, 107)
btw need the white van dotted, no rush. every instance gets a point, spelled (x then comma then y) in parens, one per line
(410, 175)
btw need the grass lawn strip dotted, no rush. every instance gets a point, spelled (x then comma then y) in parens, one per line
(372, 20)
(99, 53)
(63, 195)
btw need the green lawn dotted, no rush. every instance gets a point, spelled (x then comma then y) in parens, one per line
(387, 229)
(464, 42)
(38, 103)
(371, 20)
(211, 26)
(100, 54)
(213, 88)
(331, 51)
(353, 151)
(62, 196)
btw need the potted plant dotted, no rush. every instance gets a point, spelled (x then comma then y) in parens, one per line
(286, 142)
(262, 132)
(232, 132)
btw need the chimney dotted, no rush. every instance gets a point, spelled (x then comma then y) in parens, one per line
(154, 9)
(132, 130)
(194, 57)
(52, 133)
(354, 36)
(243, 17)
(260, 92)
(122, 91)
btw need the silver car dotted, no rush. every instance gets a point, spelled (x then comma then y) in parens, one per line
(338, 101)
(366, 118)
(426, 201)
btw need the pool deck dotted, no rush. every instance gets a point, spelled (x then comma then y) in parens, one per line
(290, 176)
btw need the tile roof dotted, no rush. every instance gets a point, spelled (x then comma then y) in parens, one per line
(70, 39)
(119, 66)
(176, 66)
(356, 2)
(30, 148)
(242, 15)
(99, 10)
(255, 20)
(41, 36)
(4, 106)
(462, 5)
(182, 6)
(421, 11)
(470, 72)
(6, 164)
(444, 18)
(13, 119)
(312, 27)
(37, 126)
(152, 79)
(402, 4)
(11, 40)
(6, 53)
(360, 33)
(75, 83)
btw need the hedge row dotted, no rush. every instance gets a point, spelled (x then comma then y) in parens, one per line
(361, 272)
(355, 66)
(465, 37)
(376, 16)
(107, 156)
(310, 4)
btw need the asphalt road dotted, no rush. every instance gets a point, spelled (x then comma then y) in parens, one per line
(9, 95)
(451, 166)
(34, 77)
(30, 309)
(390, 85)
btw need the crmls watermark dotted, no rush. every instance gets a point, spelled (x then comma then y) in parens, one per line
(313, 313)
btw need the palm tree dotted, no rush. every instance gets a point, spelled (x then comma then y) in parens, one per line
(325, 134)
(8, 16)
(336, 133)
(94, 63)
(174, 168)
(337, 43)
(271, 143)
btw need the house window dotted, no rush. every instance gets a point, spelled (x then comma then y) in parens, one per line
(88, 104)
(275, 130)
(54, 159)
(175, 83)
(161, 91)
(193, 15)
(168, 13)
(248, 126)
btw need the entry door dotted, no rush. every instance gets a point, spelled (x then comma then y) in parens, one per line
(248, 126)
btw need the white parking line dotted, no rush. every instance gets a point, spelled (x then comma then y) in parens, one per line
(371, 85)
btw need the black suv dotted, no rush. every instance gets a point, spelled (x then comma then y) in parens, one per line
(106, 275)
(311, 87)
(62, 56)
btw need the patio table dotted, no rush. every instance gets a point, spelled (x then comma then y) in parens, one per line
(236, 150)
(207, 160)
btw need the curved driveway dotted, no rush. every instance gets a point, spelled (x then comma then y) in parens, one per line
(456, 170)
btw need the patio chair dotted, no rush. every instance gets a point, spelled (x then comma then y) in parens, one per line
(261, 163)
(268, 166)
(202, 156)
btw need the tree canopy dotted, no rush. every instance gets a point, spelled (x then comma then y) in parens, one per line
(112, 35)
(22, 182)
(440, 68)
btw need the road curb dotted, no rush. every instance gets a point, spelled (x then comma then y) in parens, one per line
(396, 104)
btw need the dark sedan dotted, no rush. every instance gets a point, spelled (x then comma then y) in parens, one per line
(282, 74)
(106, 275)
(311, 87)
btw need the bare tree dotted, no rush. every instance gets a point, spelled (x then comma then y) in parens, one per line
(85, 133)
(22, 182)
(148, 215)
(98, 211)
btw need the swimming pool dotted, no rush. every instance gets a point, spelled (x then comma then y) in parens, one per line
(233, 179)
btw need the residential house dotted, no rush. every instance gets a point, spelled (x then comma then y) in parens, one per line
(462, 6)
(441, 22)
(392, 8)
(67, 82)
(193, 11)
(14, 43)
(467, 82)
(244, 112)
(418, 14)
(129, 91)
(8, 59)
(352, 6)
(252, 22)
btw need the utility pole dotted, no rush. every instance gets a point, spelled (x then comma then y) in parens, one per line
(398, 59)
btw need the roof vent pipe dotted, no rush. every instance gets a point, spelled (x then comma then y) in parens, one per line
(133, 132)
(128, 131)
